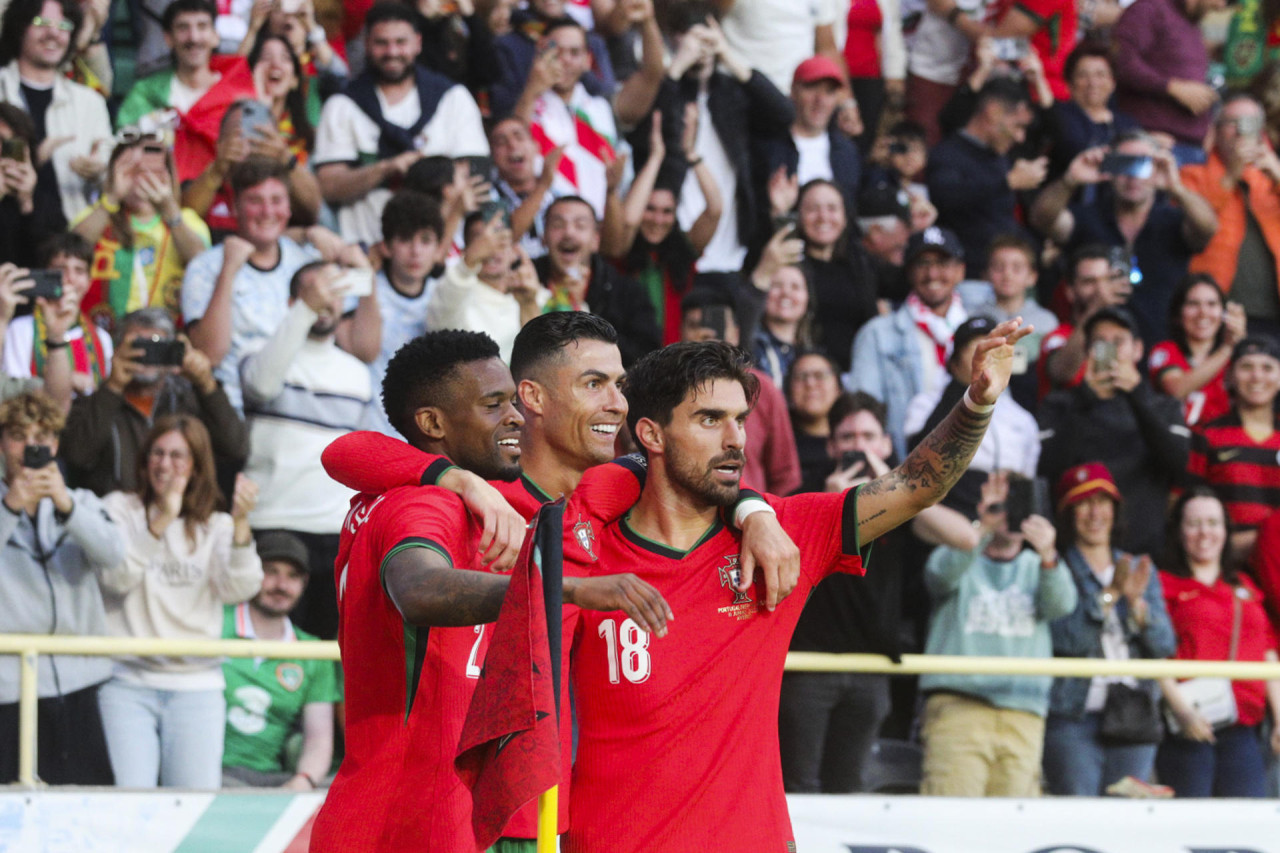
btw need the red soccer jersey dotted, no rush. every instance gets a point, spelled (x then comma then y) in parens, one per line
(1244, 472)
(407, 689)
(678, 737)
(1201, 406)
(1052, 341)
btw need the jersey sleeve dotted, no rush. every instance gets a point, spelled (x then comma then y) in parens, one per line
(423, 518)
(607, 491)
(1164, 357)
(374, 463)
(824, 526)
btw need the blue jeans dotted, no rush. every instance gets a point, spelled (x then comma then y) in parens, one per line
(1078, 763)
(170, 736)
(1231, 767)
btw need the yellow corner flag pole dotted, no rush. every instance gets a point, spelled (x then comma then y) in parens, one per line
(552, 596)
(548, 818)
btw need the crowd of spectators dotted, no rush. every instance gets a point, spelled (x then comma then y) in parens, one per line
(219, 222)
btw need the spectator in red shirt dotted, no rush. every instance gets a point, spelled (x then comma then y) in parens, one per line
(1217, 614)
(1192, 364)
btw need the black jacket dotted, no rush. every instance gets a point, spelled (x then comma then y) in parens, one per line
(104, 434)
(621, 301)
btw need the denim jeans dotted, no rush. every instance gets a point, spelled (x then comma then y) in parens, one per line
(1233, 766)
(170, 736)
(1078, 763)
(827, 722)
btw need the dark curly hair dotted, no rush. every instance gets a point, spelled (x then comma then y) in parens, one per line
(544, 338)
(420, 373)
(660, 381)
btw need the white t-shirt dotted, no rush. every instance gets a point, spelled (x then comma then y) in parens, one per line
(558, 120)
(938, 50)
(403, 319)
(182, 97)
(725, 253)
(774, 36)
(815, 158)
(19, 342)
(347, 135)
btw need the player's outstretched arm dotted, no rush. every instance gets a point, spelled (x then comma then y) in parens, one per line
(639, 599)
(930, 471)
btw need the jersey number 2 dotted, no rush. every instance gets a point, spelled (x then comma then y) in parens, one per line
(473, 665)
(634, 657)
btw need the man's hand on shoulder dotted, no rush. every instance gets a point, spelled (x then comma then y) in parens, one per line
(639, 599)
(767, 546)
(504, 528)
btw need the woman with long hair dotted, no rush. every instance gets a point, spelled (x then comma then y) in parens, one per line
(1193, 363)
(277, 74)
(1120, 614)
(142, 236)
(164, 716)
(1217, 614)
(812, 386)
(843, 280)
(786, 326)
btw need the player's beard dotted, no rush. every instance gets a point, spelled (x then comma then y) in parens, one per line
(700, 482)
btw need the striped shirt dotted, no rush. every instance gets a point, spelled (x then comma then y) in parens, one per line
(1244, 472)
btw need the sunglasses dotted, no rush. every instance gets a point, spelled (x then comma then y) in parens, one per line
(46, 24)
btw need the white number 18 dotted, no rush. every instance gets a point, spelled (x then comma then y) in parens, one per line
(634, 660)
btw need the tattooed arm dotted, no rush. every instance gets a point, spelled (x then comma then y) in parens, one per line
(936, 464)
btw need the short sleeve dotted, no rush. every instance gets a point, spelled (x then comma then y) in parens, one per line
(336, 136)
(423, 517)
(198, 282)
(824, 526)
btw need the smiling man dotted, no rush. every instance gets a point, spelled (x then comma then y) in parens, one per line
(678, 736)
(235, 295)
(414, 602)
(898, 355)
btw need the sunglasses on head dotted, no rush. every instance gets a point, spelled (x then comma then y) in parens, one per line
(132, 136)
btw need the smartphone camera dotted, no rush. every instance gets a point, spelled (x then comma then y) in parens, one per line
(160, 352)
(1103, 354)
(14, 148)
(46, 284)
(36, 456)
(1127, 165)
(850, 458)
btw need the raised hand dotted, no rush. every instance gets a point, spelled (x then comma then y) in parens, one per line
(993, 361)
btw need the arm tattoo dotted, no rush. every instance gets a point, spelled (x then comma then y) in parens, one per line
(940, 458)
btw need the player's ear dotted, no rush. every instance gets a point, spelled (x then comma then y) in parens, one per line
(532, 396)
(649, 435)
(430, 421)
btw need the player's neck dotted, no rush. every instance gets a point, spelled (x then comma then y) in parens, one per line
(265, 625)
(548, 471)
(670, 516)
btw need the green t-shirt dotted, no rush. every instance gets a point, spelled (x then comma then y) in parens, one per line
(265, 698)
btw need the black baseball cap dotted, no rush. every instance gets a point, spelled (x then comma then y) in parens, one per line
(1111, 314)
(282, 545)
(1256, 345)
(884, 199)
(975, 327)
(934, 239)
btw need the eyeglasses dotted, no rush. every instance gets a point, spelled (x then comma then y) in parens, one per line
(175, 455)
(813, 376)
(46, 24)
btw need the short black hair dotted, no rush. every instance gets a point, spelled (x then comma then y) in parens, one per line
(429, 176)
(1005, 91)
(388, 10)
(908, 131)
(1089, 47)
(421, 371)
(408, 212)
(681, 17)
(707, 297)
(571, 199)
(17, 20)
(1087, 252)
(66, 243)
(852, 402)
(659, 382)
(250, 172)
(562, 23)
(295, 281)
(544, 338)
(179, 7)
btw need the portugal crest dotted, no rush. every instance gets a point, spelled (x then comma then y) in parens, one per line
(586, 536)
(731, 576)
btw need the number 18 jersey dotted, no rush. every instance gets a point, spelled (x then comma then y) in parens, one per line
(678, 736)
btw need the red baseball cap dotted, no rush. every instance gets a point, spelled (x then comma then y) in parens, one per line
(1085, 481)
(817, 68)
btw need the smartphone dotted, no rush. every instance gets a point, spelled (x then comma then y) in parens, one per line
(1250, 126)
(47, 284)
(715, 318)
(160, 352)
(481, 165)
(787, 220)
(1010, 49)
(36, 456)
(291, 7)
(14, 148)
(354, 281)
(255, 117)
(852, 457)
(1129, 165)
(491, 210)
(1103, 354)
(1027, 497)
(548, 47)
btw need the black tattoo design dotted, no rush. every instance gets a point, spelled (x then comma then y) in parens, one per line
(940, 458)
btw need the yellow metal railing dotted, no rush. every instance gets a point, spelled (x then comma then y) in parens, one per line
(29, 647)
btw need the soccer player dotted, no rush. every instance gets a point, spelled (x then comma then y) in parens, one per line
(413, 600)
(569, 371)
(678, 739)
